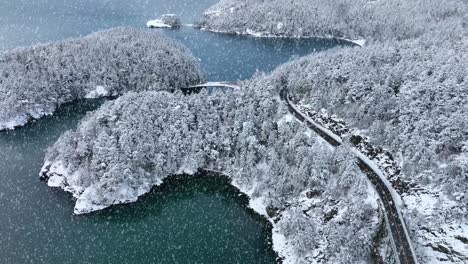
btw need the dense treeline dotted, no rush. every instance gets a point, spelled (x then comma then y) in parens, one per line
(411, 98)
(407, 91)
(133, 143)
(407, 96)
(35, 81)
(369, 19)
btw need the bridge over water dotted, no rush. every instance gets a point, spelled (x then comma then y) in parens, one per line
(229, 84)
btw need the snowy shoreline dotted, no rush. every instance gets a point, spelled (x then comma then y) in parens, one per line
(280, 243)
(24, 119)
(13, 123)
(56, 175)
(357, 42)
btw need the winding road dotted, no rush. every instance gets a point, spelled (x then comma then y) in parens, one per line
(401, 242)
(404, 252)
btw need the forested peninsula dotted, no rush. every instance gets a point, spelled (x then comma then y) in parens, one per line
(35, 81)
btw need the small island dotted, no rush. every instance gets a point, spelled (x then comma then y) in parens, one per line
(166, 21)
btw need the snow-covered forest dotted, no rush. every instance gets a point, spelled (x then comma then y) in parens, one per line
(353, 19)
(35, 81)
(135, 142)
(407, 97)
(405, 92)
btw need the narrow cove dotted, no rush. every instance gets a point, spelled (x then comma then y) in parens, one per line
(188, 219)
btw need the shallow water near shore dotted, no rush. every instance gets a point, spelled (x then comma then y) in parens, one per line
(186, 220)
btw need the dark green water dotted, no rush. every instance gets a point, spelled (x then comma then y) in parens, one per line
(187, 220)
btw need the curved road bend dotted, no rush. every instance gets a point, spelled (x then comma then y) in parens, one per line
(395, 224)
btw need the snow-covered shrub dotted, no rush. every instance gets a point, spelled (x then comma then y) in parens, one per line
(35, 81)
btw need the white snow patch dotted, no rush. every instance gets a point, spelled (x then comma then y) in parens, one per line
(84, 203)
(423, 202)
(258, 206)
(23, 119)
(157, 23)
(447, 235)
(213, 13)
(279, 26)
(359, 42)
(253, 33)
(55, 181)
(14, 122)
(56, 169)
(280, 245)
(99, 92)
(308, 133)
(60, 177)
(287, 118)
(186, 169)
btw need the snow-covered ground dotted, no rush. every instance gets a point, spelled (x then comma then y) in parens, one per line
(13, 123)
(60, 177)
(23, 119)
(281, 244)
(441, 242)
(359, 42)
(446, 242)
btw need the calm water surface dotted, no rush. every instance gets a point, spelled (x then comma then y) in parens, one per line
(186, 220)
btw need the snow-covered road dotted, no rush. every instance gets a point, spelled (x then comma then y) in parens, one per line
(401, 241)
